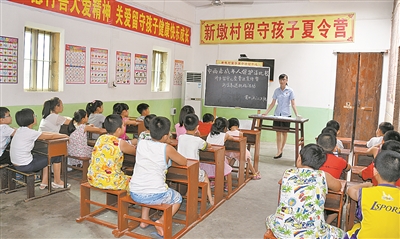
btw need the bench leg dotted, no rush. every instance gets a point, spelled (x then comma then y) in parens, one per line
(85, 206)
(203, 203)
(30, 186)
(167, 223)
(11, 183)
(85, 166)
(3, 178)
(122, 220)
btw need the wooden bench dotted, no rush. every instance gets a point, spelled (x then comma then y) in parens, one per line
(83, 169)
(335, 200)
(355, 174)
(112, 199)
(269, 235)
(28, 182)
(125, 228)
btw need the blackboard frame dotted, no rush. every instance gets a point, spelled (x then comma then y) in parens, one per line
(235, 86)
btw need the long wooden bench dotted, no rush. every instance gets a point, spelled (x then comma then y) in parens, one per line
(125, 228)
(28, 182)
(112, 199)
(83, 169)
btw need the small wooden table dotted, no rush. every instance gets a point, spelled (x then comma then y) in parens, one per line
(358, 151)
(238, 144)
(298, 130)
(216, 155)
(52, 148)
(135, 129)
(189, 173)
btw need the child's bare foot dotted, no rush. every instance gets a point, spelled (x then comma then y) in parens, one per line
(143, 225)
(211, 201)
(160, 230)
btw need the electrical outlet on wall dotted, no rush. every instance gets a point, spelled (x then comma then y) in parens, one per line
(173, 111)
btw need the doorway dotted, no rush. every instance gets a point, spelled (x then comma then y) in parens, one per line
(358, 93)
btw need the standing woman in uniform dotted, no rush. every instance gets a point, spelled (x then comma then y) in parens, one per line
(285, 96)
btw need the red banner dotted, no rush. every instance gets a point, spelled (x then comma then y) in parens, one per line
(117, 14)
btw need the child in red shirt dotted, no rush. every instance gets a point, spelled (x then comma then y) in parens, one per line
(205, 126)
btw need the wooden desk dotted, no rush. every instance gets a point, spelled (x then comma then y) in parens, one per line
(355, 174)
(135, 129)
(347, 142)
(188, 174)
(361, 151)
(52, 148)
(216, 155)
(351, 209)
(253, 138)
(238, 144)
(344, 153)
(298, 130)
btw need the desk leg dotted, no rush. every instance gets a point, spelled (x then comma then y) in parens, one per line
(253, 124)
(192, 196)
(219, 176)
(257, 152)
(297, 139)
(49, 174)
(64, 169)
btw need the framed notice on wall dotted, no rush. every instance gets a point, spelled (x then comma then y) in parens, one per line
(75, 64)
(123, 71)
(140, 69)
(98, 66)
(8, 60)
(178, 72)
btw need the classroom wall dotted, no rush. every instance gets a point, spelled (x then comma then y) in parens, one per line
(311, 67)
(14, 17)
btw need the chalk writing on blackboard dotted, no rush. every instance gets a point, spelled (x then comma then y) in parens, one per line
(237, 86)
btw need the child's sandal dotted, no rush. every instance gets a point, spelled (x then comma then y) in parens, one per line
(42, 186)
(257, 176)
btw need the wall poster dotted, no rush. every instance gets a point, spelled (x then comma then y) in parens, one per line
(140, 69)
(98, 66)
(178, 72)
(123, 71)
(8, 60)
(75, 64)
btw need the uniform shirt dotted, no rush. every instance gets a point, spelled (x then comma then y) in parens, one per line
(189, 146)
(283, 97)
(5, 136)
(334, 165)
(52, 123)
(379, 213)
(374, 141)
(96, 120)
(150, 169)
(22, 145)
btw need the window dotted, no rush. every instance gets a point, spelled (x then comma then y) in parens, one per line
(41, 65)
(159, 79)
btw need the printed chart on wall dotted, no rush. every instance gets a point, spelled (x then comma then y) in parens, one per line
(75, 64)
(178, 72)
(8, 60)
(123, 71)
(98, 66)
(140, 69)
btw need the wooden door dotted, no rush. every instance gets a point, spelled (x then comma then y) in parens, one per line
(357, 94)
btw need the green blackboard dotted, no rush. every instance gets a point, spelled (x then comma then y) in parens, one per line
(236, 86)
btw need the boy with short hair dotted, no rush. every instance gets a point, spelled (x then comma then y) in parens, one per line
(144, 110)
(334, 124)
(334, 164)
(189, 146)
(205, 126)
(23, 143)
(146, 134)
(380, 131)
(378, 206)
(148, 185)
(5, 134)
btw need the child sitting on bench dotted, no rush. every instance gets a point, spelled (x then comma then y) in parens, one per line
(148, 180)
(300, 213)
(108, 155)
(5, 134)
(23, 143)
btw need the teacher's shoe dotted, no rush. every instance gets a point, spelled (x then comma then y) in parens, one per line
(278, 156)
